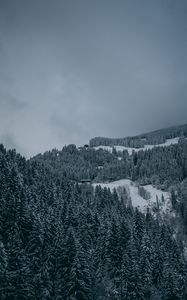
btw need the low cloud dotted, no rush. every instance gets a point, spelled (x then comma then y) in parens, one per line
(73, 71)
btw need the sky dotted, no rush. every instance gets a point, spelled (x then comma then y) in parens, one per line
(71, 70)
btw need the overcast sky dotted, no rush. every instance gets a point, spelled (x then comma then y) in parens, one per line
(73, 69)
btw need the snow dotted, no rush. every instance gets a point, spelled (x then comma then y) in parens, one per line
(156, 196)
(168, 142)
(137, 200)
(185, 252)
(107, 148)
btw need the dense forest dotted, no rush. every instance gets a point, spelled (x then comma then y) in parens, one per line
(61, 239)
(160, 165)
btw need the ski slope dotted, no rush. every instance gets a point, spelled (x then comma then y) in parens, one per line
(158, 200)
(168, 142)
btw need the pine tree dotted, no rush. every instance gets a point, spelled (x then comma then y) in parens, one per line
(3, 272)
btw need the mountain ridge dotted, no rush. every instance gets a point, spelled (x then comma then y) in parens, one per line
(137, 141)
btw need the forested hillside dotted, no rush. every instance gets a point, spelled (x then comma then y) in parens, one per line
(153, 138)
(61, 239)
(160, 165)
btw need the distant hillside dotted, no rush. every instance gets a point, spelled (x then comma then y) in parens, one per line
(151, 138)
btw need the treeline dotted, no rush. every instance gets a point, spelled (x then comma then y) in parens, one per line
(132, 142)
(62, 240)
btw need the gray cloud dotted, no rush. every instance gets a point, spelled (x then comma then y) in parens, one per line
(71, 70)
(10, 103)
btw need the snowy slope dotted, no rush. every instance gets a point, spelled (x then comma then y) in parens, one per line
(137, 201)
(158, 199)
(146, 147)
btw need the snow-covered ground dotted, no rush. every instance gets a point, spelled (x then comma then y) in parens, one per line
(100, 167)
(157, 199)
(163, 198)
(146, 147)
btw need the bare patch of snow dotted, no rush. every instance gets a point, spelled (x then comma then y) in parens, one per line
(136, 199)
(107, 148)
(100, 167)
(158, 200)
